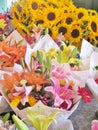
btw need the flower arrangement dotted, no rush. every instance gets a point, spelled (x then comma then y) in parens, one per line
(60, 17)
(10, 54)
(47, 79)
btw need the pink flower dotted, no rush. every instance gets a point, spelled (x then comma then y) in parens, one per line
(59, 39)
(60, 71)
(85, 94)
(35, 36)
(94, 125)
(23, 91)
(60, 93)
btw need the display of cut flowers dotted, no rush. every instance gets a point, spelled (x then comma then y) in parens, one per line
(60, 17)
(48, 80)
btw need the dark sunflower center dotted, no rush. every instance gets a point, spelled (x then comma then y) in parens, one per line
(96, 38)
(40, 22)
(50, 32)
(94, 26)
(19, 8)
(80, 15)
(62, 30)
(34, 5)
(93, 14)
(75, 33)
(69, 20)
(16, 15)
(51, 16)
(88, 39)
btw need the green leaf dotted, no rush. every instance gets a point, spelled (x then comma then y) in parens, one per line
(19, 42)
(3, 37)
(96, 67)
(73, 53)
(6, 117)
(22, 63)
(59, 57)
(19, 123)
(49, 63)
(86, 33)
(40, 56)
(46, 31)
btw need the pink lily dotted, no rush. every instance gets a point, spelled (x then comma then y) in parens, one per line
(23, 91)
(60, 93)
(94, 125)
(60, 71)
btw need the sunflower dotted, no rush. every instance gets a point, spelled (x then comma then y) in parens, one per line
(53, 31)
(95, 39)
(81, 12)
(25, 14)
(69, 9)
(63, 28)
(93, 24)
(22, 29)
(36, 7)
(15, 14)
(51, 15)
(21, 17)
(53, 3)
(92, 13)
(75, 34)
(67, 3)
(69, 18)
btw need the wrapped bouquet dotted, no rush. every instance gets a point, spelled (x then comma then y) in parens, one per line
(48, 80)
(89, 55)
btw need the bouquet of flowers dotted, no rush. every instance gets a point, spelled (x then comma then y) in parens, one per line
(89, 53)
(46, 80)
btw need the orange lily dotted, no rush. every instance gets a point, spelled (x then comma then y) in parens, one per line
(7, 82)
(34, 78)
(12, 55)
